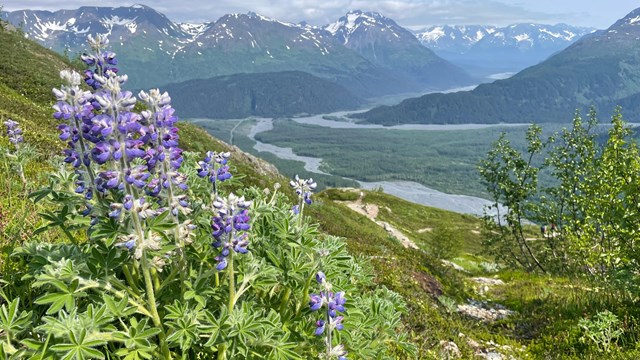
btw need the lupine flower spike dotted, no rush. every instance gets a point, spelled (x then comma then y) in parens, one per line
(14, 132)
(215, 168)
(334, 304)
(230, 227)
(304, 189)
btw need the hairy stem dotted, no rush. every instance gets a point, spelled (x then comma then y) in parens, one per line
(152, 306)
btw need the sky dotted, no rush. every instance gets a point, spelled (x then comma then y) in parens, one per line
(413, 14)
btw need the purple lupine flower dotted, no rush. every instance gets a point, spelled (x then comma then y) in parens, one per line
(337, 322)
(336, 303)
(137, 176)
(101, 59)
(63, 111)
(214, 166)
(72, 157)
(319, 327)
(14, 132)
(107, 180)
(321, 277)
(316, 301)
(229, 227)
(116, 210)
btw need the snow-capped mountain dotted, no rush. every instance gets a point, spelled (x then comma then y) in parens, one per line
(358, 27)
(161, 51)
(517, 46)
(383, 42)
(69, 28)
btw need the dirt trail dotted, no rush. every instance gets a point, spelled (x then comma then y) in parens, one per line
(371, 211)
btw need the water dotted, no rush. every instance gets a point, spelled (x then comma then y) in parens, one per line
(420, 194)
(349, 124)
(311, 164)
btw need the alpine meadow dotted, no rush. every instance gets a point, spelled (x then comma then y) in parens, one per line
(458, 183)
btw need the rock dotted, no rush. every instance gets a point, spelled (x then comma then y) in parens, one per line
(454, 265)
(492, 355)
(488, 281)
(482, 311)
(449, 350)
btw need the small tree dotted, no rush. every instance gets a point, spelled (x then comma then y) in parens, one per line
(445, 243)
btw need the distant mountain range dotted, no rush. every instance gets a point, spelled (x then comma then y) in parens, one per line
(602, 69)
(484, 50)
(160, 51)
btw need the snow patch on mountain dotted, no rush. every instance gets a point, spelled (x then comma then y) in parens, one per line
(194, 30)
(432, 35)
(634, 20)
(461, 38)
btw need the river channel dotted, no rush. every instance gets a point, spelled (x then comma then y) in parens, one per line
(410, 191)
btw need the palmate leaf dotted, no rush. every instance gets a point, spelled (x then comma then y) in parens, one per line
(286, 351)
(104, 259)
(65, 298)
(216, 327)
(137, 340)
(12, 321)
(80, 347)
(107, 230)
(245, 324)
(184, 324)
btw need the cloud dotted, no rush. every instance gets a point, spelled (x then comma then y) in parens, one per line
(413, 14)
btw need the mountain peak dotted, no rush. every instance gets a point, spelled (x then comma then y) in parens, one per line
(632, 19)
(358, 21)
(252, 16)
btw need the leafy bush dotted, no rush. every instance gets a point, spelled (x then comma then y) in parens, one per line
(445, 243)
(602, 330)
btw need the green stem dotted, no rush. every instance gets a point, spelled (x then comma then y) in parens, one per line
(132, 283)
(301, 214)
(305, 292)
(152, 306)
(23, 178)
(46, 344)
(167, 280)
(284, 301)
(329, 331)
(222, 349)
(232, 286)
(182, 264)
